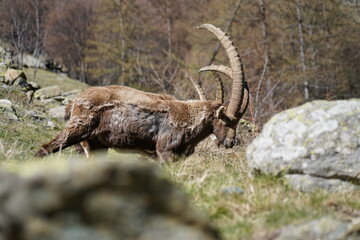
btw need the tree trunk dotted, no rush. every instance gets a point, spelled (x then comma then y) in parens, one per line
(37, 48)
(266, 57)
(169, 28)
(302, 49)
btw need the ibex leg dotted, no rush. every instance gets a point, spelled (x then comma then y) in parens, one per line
(66, 138)
(89, 146)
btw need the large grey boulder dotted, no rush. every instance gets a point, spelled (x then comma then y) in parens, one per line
(48, 92)
(320, 138)
(97, 200)
(31, 61)
(321, 229)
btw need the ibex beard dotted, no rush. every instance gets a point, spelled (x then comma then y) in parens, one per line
(126, 118)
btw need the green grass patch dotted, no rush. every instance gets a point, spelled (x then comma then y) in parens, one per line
(266, 204)
(46, 78)
(20, 140)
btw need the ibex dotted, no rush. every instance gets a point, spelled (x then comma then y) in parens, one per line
(129, 94)
(126, 118)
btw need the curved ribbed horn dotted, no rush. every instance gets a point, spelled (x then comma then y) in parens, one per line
(245, 102)
(238, 77)
(219, 89)
(198, 89)
(218, 68)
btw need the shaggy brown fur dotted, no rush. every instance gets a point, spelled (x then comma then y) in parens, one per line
(169, 127)
(119, 93)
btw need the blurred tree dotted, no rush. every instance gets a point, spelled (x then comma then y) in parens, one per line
(112, 49)
(68, 28)
(22, 24)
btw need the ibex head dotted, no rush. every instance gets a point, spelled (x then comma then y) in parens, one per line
(227, 116)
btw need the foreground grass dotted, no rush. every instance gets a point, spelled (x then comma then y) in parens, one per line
(266, 204)
(20, 141)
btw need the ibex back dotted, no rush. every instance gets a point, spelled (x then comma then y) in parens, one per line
(126, 118)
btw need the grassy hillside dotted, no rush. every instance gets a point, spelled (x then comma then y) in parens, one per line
(19, 140)
(266, 203)
(47, 78)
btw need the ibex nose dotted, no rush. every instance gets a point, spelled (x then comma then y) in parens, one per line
(229, 143)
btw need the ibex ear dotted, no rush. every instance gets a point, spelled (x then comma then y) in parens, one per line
(220, 112)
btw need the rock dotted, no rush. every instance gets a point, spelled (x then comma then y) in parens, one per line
(48, 103)
(2, 77)
(30, 96)
(5, 87)
(11, 75)
(59, 98)
(66, 101)
(36, 115)
(31, 62)
(34, 85)
(50, 124)
(22, 83)
(322, 229)
(57, 112)
(5, 103)
(309, 184)
(232, 191)
(48, 92)
(18, 79)
(319, 138)
(8, 110)
(97, 200)
(72, 94)
(2, 68)
(40, 117)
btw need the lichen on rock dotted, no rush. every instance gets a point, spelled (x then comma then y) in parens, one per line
(320, 138)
